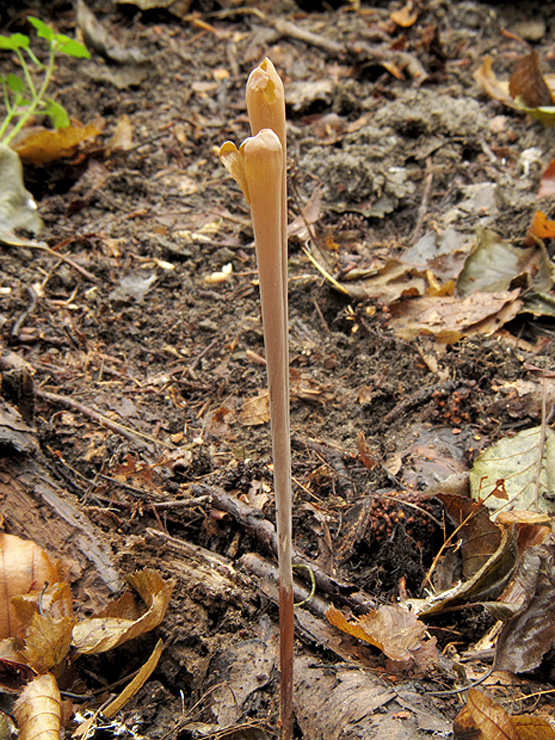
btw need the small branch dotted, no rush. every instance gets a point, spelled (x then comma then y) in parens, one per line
(113, 426)
(263, 530)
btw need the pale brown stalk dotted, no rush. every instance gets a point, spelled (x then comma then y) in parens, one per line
(259, 169)
(265, 99)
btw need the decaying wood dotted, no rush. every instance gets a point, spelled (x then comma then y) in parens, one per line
(34, 506)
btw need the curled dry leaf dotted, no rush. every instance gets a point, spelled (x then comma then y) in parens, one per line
(38, 710)
(24, 567)
(124, 619)
(547, 182)
(396, 631)
(44, 145)
(522, 82)
(527, 83)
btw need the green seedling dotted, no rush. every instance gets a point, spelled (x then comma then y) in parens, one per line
(23, 97)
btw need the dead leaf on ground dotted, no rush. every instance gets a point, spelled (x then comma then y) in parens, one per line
(547, 181)
(541, 227)
(485, 585)
(494, 265)
(24, 567)
(124, 619)
(483, 719)
(499, 90)
(527, 83)
(45, 145)
(14, 675)
(530, 634)
(255, 411)
(480, 536)
(396, 631)
(38, 710)
(533, 728)
(96, 37)
(406, 16)
(448, 319)
(47, 622)
(18, 210)
(122, 138)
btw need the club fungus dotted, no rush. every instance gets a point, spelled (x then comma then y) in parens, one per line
(258, 167)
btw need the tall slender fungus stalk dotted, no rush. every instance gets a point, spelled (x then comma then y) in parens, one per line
(259, 169)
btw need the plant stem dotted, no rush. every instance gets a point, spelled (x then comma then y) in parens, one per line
(265, 99)
(37, 97)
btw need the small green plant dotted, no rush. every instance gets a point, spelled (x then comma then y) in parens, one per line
(22, 97)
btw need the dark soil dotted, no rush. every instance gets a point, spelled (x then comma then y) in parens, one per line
(143, 338)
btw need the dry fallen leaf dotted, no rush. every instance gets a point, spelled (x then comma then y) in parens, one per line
(527, 83)
(547, 182)
(124, 619)
(490, 717)
(45, 145)
(448, 318)
(255, 411)
(24, 567)
(38, 710)
(499, 90)
(397, 632)
(533, 728)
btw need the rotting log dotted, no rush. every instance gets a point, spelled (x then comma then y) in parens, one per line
(34, 506)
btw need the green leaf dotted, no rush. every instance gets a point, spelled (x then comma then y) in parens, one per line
(72, 48)
(57, 114)
(16, 84)
(13, 42)
(43, 31)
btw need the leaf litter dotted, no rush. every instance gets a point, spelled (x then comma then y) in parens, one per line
(196, 357)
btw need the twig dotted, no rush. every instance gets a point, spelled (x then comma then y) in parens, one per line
(64, 258)
(29, 310)
(358, 52)
(258, 526)
(425, 198)
(113, 426)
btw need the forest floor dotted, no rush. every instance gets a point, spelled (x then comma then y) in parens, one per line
(140, 329)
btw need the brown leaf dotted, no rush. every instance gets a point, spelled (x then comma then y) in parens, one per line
(527, 83)
(102, 633)
(38, 710)
(46, 145)
(368, 457)
(547, 182)
(486, 77)
(395, 631)
(14, 675)
(464, 727)
(24, 567)
(533, 728)
(526, 637)
(255, 411)
(47, 642)
(449, 318)
(480, 536)
(490, 717)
